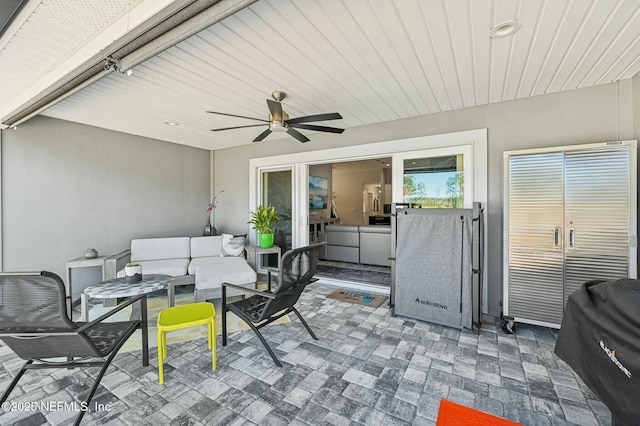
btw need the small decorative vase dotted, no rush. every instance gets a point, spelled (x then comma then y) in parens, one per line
(133, 274)
(265, 240)
(90, 254)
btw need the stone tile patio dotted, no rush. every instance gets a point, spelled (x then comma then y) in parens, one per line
(366, 368)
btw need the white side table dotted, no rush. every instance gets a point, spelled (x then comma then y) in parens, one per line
(81, 273)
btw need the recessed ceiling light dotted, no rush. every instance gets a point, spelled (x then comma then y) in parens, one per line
(387, 164)
(170, 123)
(504, 29)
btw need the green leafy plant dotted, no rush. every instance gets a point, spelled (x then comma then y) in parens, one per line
(130, 265)
(264, 218)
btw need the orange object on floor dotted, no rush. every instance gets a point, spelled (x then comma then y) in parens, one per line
(452, 414)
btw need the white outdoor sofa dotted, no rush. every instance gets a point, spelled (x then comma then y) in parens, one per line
(190, 260)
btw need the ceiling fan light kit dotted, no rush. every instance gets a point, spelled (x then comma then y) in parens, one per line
(280, 122)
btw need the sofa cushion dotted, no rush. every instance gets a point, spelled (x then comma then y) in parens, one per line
(160, 248)
(374, 229)
(202, 261)
(206, 246)
(233, 245)
(233, 270)
(173, 267)
(375, 245)
(343, 254)
(342, 235)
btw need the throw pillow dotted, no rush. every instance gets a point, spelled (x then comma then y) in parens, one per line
(232, 245)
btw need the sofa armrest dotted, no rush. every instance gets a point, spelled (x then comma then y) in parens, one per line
(114, 263)
(250, 255)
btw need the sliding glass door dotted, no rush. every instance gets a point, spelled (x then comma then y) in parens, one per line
(277, 191)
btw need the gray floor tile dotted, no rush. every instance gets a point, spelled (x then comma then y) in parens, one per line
(367, 368)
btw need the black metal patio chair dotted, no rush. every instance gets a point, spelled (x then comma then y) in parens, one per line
(295, 272)
(36, 325)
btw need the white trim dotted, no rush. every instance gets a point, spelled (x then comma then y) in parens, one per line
(475, 139)
(299, 204)
(397, 169)
(633, 203)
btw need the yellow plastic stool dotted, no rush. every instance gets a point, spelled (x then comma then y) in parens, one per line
(185, 316)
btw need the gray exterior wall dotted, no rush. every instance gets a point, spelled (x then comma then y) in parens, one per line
(67, 187)
(595, 114)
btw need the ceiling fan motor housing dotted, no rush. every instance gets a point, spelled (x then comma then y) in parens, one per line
(278, 95)
(279, 126)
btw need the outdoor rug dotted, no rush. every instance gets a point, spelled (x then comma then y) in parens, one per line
(155, 304)
(353, 274)
(358, 297)
(452, 414)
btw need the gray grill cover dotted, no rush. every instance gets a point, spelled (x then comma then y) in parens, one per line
(433, 265)
(600, 340)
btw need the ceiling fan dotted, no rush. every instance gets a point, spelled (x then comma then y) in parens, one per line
(279, 120)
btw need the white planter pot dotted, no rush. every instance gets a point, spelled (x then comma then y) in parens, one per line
(133, 274)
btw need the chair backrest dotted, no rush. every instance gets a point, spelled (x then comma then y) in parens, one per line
(297, 268)
(32, 303)
(206, 246)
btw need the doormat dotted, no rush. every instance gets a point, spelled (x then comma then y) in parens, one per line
(357, 297)
(452, 414)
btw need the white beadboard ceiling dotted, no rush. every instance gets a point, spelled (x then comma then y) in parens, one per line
(370, 60)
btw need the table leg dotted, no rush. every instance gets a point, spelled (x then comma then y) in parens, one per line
(171, 295)
(269, 281)
(84, 308)
(136, 310)
(110, 303)
(145, 331)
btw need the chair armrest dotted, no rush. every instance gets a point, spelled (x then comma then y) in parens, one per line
(118, 308)
(250, 290)
(37, 334)
(114, 263)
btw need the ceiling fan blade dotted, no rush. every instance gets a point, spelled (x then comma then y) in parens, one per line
(275, 108)
(262, 135)
(296, 134)
(316, 128)
(238, 116)
(237, 127)
(316, 117)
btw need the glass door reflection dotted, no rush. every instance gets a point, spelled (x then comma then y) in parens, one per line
(277, 192)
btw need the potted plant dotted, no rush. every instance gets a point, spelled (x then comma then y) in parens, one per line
(133, 272)
(263, 220)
